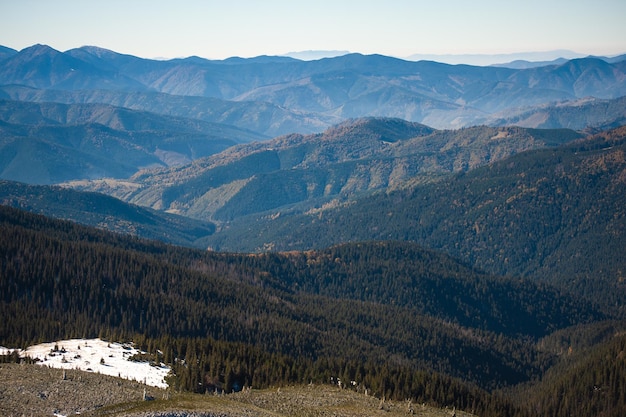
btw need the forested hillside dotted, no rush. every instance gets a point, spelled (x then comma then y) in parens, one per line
(99, 210)
(263, 118)
(298, 173)
(261, 320)
(362, 230)
(555, 215)
(592, 384)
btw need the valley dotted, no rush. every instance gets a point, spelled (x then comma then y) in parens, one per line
(442, 239)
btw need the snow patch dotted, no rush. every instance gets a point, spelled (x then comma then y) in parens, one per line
(95, 355)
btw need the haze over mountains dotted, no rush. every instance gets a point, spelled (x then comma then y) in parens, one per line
(193, 137)
(100, 140)
(311, 95)
(162, 113)
(436, 232)
(512, 60)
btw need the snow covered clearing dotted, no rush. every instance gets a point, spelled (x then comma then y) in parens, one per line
(95, 355)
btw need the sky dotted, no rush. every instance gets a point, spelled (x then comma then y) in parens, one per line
(246, 28)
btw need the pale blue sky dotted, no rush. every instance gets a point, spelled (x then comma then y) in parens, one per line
(224, 28)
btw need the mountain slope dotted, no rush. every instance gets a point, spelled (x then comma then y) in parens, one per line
(333, 89)
(304, 172)
(589, 383)
(105, 212)
(271, 303)
(339, 314)
(578, 114)
(580, 77)
(40, 66)
(553, 214)
(298, 162)
(407, 275)
(120, 118)
(6, 52)
(61, 142)
(259, 118)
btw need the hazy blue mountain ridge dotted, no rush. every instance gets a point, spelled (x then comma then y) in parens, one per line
(6, 52)
(586, 113)
(329, 89)
(263, 119)
(121, 118)
(43, 67)
(59, 142)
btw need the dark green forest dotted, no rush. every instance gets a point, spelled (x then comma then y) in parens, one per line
(105, 212)
(399, 320)
(552, 215)
(479, 269)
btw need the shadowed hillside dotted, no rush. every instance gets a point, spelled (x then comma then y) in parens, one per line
(282, 319)
(553, 214)
(104, 212)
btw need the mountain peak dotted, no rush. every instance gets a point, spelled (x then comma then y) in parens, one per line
(38, 50)
(97, 51)
(390, 129)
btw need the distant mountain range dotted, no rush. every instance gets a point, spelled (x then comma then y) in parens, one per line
(315, 54)
(279, 95)
(586, 113)
(362, 214)
(505, 60)
(521, 60)
(62, 142)
(193, 137)
(91, 113)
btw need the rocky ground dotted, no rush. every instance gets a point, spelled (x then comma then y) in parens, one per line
(35, 390)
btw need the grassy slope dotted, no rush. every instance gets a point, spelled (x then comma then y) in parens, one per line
(40, 391)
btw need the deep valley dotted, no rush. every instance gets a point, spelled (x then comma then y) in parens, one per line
(351, 235)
